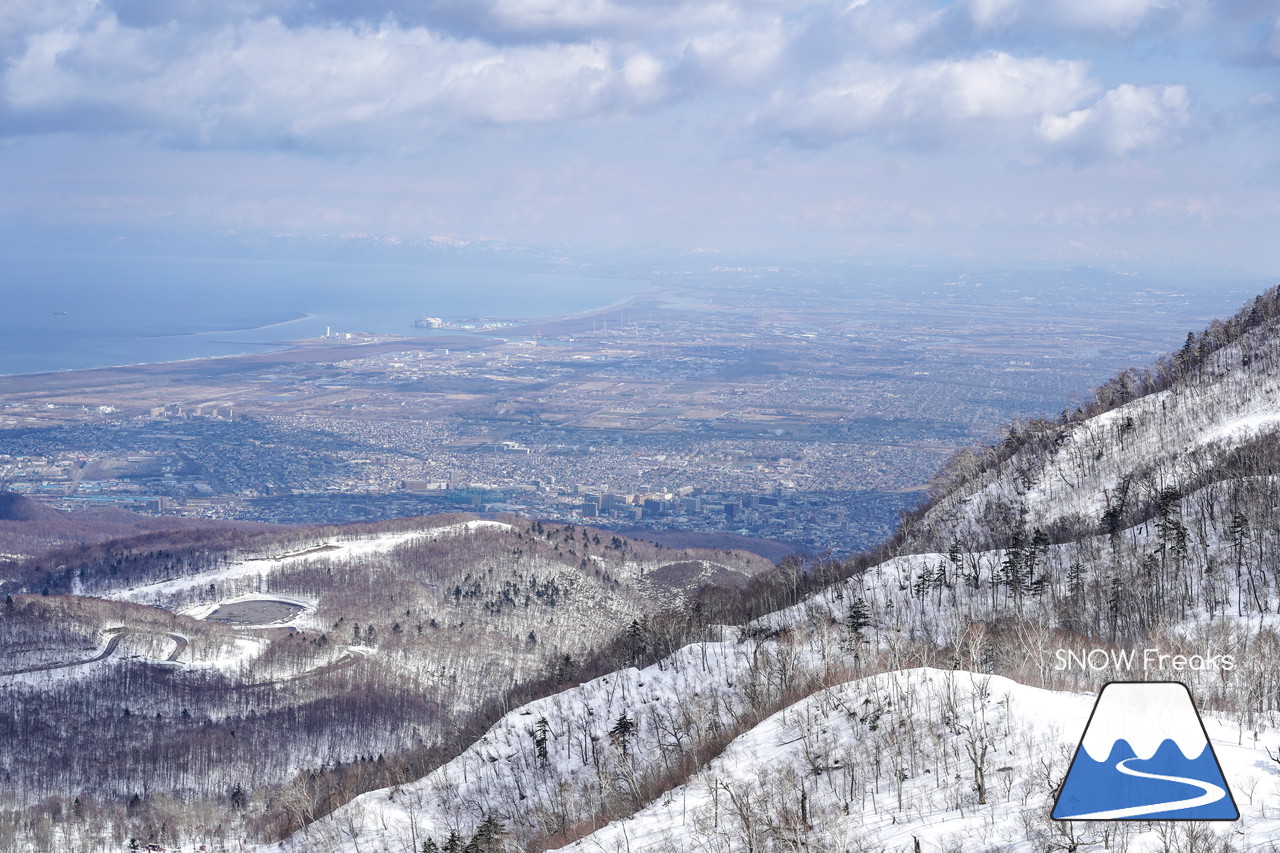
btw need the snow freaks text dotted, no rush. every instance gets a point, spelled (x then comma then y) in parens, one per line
(1145, 660)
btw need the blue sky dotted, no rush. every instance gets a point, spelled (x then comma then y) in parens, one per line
(1059, 132)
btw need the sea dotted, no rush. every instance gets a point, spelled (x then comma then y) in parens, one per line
(70, 314)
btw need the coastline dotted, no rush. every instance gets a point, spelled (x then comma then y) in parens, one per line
(299, 315)
(539, 325)
(522, 325)
(276, 347)
(301, 350)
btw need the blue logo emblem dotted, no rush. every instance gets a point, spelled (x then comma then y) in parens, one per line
(1145, 755)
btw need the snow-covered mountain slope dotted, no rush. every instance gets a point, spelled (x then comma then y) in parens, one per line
(847, 721)
(1216, 402)
(253, 573)
(682, 711)
(551, 765)
(346, 659)
(951, 759)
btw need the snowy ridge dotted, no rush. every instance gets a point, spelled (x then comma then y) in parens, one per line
(342, 549)
(811, 747)
(502, 774)
(876, 763)
(1171, 435)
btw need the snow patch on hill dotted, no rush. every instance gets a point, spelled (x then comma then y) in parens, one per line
(340, 549)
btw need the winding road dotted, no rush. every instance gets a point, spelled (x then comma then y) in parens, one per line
(118, 634)
(1212, 793)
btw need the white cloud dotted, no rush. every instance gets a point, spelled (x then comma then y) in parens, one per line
(892, 29)
(735, 57)
(557, 14)
(1101, 25)
(1125, 120)
(993, 14)
(262, 80)
(1185, 207)
(613, 18)
(1118, 15)
(814, 71)
(950, 96)
(18, 17)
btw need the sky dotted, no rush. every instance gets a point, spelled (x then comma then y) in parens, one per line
(1058, 132)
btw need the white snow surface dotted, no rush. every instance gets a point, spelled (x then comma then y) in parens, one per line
(1244, 427)
(821, 727)
(339, 549)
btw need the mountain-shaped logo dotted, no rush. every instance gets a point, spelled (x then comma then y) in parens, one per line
(1145, 755)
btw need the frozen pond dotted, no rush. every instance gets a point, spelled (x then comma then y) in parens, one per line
(261, 611)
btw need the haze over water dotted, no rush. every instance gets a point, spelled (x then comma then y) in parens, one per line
(68, 314)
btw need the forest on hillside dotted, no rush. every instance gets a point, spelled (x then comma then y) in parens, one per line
(415, 633)
(515, 685)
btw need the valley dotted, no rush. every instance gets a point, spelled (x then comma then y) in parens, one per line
(495, 682)
(801, 406)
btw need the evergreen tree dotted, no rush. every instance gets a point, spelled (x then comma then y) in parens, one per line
(540, 739)
(564, 669)
(486, 836)
(622, 731)
(859, 618)
(637, 638)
